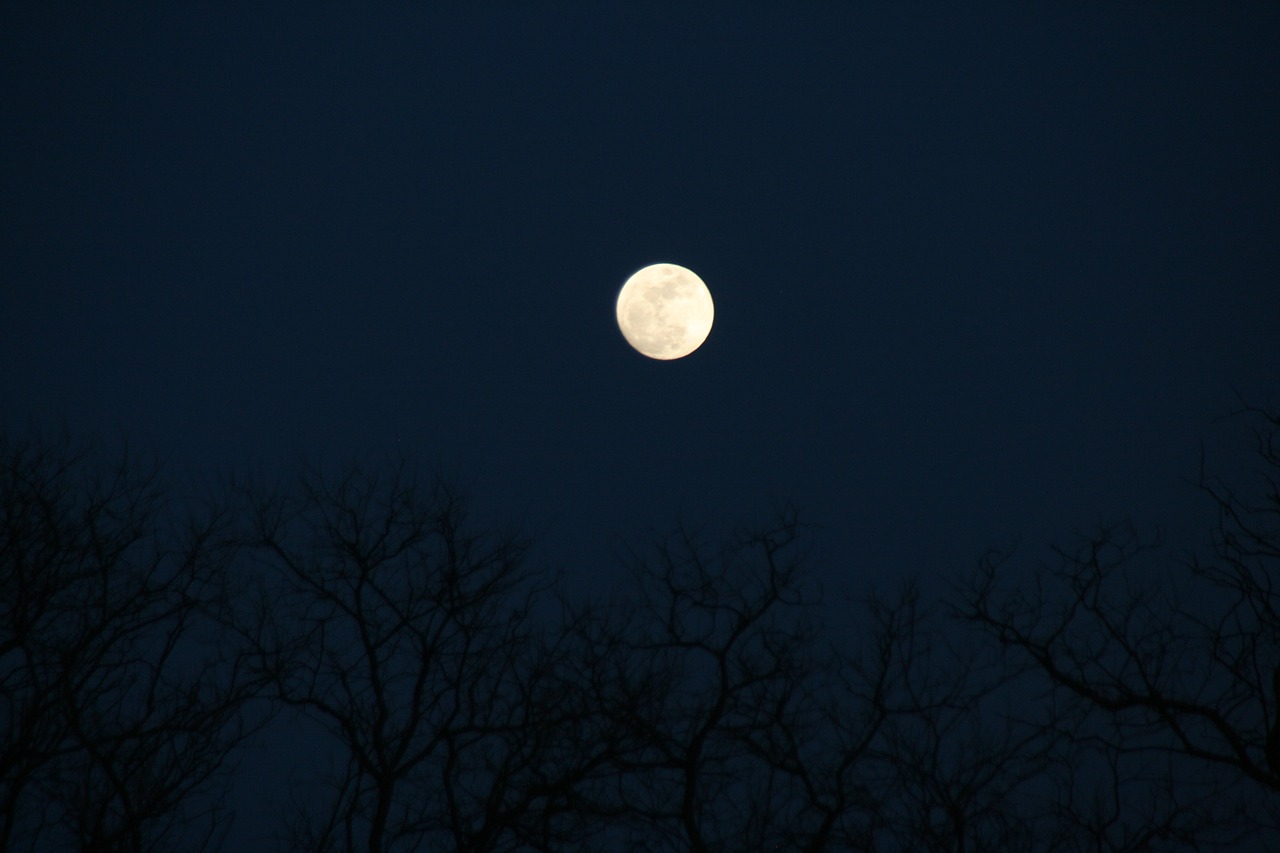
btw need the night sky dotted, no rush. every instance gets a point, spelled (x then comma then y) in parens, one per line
(980, 274)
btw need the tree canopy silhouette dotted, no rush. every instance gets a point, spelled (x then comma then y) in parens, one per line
(1173, 676)
(455, 695)
(119, 704)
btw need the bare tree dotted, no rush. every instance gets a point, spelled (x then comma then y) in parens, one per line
(739, 724)
(959, 766)
(1171, 668)
(412, 641)
(117, 713)
(455, 699)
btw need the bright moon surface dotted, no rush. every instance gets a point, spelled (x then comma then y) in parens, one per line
(665, 311)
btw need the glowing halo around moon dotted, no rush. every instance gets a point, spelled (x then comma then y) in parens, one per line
(665, 311)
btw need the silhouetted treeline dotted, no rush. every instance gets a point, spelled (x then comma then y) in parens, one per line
(122, 695)
(463, 699)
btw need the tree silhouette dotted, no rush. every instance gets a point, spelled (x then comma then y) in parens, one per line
(963, 768)
(740, 726)
(455, 696)
(714, 661)
(117, 712)
(1172, 673)
(411, 640)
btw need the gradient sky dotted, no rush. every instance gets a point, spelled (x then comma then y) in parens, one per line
(975, 271)
(979, 273)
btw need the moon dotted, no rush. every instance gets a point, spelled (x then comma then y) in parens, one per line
(665, 311)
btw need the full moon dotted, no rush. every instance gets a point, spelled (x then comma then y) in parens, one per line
(665, 311)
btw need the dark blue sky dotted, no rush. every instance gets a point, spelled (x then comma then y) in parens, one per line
(978, 272)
